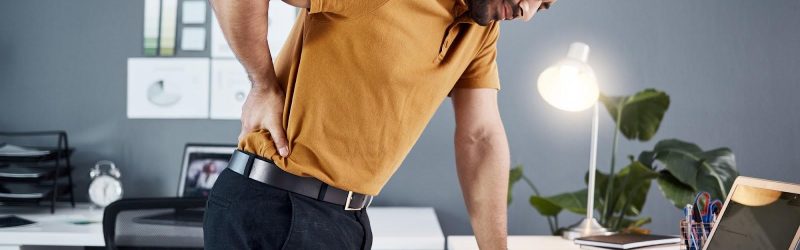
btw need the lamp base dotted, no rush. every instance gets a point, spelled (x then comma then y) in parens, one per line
(586, 227)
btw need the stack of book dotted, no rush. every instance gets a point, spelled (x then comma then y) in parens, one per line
(629, 241)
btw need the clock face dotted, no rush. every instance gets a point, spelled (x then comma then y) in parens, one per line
(104, 190)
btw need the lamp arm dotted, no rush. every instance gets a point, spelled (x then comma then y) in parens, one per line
(592, 165)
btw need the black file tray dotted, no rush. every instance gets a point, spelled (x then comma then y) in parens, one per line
(24, 191)
(36, 178)
(29, 172)
(52, 154)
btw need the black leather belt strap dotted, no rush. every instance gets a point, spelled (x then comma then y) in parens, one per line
(267, 172)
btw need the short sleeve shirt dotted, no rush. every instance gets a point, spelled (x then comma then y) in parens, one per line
(362, 80)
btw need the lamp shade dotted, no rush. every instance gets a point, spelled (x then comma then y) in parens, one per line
(570, 85)
(755, 197)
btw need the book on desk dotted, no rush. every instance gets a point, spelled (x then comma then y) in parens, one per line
(629, 241)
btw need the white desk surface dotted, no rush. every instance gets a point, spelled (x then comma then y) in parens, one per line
(54, 229)
(467, 242)
(405, 228)
(392, 227)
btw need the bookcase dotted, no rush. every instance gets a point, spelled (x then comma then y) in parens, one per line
(35, 169)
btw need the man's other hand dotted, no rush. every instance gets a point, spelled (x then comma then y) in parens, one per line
(263, 109)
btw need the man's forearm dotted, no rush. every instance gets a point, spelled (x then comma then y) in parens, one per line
(483, 162)
(244, 23)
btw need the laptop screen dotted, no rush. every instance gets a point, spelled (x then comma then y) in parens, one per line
(757, 218)
(201, 167)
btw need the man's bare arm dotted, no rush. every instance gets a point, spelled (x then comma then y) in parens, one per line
(244, 23)
(482, 161)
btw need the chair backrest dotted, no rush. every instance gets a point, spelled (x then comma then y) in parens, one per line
(132, 216)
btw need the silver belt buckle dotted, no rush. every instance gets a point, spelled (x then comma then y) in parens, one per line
(366, 202)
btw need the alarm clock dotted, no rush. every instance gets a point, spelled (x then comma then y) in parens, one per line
(105, 186)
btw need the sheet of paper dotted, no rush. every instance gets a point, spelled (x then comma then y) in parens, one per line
(168, 88)
(229, 88)
(219, 46)
(152, 9)
(281, 19)
(169, 16)
(193, 38)
(193, 12)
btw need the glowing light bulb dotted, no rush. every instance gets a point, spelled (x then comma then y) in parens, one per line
(570, 84)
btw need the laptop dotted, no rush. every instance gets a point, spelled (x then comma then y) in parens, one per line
(202, 164)
(758, 214)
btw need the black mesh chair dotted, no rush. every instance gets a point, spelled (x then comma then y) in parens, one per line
(145, 223)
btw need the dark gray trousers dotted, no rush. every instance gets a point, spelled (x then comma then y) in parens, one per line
(246, 214)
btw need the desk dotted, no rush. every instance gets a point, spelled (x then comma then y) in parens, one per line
(392, 227)
(514, 243)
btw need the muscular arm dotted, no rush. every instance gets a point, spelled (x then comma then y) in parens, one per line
(482, 161)
(244, 23)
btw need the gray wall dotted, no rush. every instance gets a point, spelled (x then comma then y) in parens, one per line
(731, 68)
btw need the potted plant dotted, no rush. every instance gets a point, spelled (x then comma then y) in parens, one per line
(680, 169)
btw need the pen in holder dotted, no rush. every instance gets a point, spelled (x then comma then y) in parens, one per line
(694, 234)
(700, 218)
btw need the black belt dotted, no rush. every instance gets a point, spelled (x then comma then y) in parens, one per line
(267, 172)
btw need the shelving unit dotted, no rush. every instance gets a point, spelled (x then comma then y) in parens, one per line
(36, 177)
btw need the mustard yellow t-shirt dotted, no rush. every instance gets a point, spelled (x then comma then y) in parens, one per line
(364, 77)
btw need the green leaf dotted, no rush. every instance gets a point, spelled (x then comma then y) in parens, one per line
(635, 190)
(544, 206)
(626, 223)
(675, 191)
(721, 165)
(574, 202)
(513, 177)
(678, 156)
(711, 171)
(639, 115)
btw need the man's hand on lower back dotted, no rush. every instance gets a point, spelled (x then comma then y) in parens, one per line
(263, 109)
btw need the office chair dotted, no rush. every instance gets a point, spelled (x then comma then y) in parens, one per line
(123, 215)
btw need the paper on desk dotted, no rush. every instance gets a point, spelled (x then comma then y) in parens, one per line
(14, 150)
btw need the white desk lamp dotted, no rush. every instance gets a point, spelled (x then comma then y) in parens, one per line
(571, 85)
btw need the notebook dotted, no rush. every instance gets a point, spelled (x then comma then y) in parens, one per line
(658, 247)
(627, 241)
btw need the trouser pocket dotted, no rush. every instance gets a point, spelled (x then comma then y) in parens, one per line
(320, 225)
(246, 214)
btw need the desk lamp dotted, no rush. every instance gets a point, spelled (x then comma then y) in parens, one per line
(570, 85)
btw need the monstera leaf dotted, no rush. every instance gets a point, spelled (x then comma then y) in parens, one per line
(691, 169)
(513, 177)
(675, 191)
(639, 115)
(630, 189)
(635, 184)
(553, 205)
(544, 206)
(574, 202)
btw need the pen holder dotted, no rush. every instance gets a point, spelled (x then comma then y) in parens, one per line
(694, 236)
